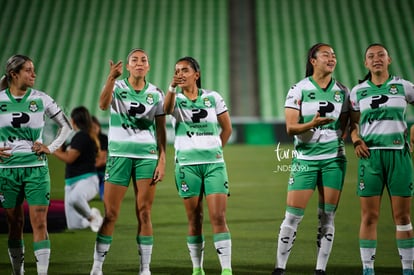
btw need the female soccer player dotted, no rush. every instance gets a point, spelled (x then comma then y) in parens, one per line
(200, 169)
(379, 133)
(137, 138)
(316, 111)
(24, 173)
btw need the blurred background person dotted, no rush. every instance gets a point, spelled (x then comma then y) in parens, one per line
(101, 156)
(81, 178)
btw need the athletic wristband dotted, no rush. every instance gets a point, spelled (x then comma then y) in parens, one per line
(172, 89)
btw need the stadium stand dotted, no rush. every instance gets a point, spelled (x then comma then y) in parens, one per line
(72, 42)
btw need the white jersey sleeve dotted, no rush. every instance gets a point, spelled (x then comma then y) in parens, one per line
(294, 98)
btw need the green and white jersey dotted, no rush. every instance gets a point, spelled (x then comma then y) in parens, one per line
(132, 122)
(323, 142)
(197, 132)
(383, 112)
(21, 124)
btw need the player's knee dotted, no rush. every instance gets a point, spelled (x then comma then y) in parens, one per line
(111, 215)
(144, 217)
(370, 218)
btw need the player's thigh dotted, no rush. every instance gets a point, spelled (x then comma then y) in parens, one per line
(37, 189)
(400, 172)
(333, 173)
(188, 179)
(118, 170)
(216, 180)
(303, 175)
(143, 168)
(370, 175)
(11, 187)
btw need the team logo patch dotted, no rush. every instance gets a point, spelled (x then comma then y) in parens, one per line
(33, 106)
(291, 180)
(150, 99)
(184, 187)
(361, 185)
(393, 90)
(337, 96)
(207, 102)
(297, 102)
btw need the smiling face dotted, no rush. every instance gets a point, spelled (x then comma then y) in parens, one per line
(25, 77)
(324, 60)
(377, 59)
(138, 64)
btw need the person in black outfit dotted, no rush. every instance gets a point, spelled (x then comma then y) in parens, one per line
(81, 177)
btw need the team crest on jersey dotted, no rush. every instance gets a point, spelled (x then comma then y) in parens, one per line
(33, 106)
(184, 187)
(393, 90)
(207, 102)
(150, 99)
(291, 180)
(337, 96)
(106, 176)
(361, 185)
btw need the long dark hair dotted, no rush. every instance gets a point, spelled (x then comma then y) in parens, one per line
(194, 64)
(83, 120)
(96, 121)
(368, 75)
(312, 54)
(14, 64)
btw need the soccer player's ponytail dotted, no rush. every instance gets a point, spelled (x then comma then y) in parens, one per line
(14, 64)
(83, 121)
(3, 82)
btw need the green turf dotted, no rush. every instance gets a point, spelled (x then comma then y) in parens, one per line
(255, 210)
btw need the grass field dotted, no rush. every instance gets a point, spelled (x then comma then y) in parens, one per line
(256, 207)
